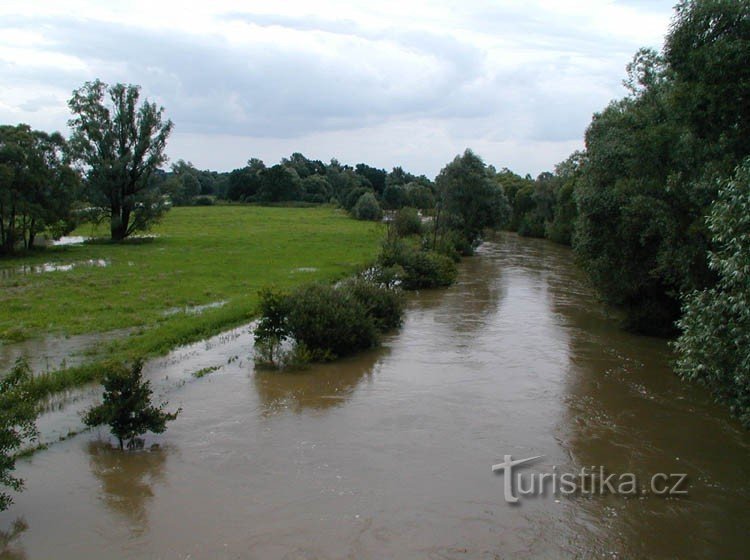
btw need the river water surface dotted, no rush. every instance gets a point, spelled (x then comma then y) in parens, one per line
(389, 454)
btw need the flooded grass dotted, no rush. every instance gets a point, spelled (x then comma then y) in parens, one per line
(196, 259)
(205, 371)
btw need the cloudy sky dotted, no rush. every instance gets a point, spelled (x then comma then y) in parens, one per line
(389, 83)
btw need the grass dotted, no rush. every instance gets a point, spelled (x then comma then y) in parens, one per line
(200, 256)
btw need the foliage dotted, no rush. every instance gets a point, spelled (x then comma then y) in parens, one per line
(376, 177)
(37, 187)
(127, 407)
(367, 208)
(120, 144)
(407, 222)
(245, 183)
(272, 328)
(323, 322)
(329, 322)
(383, 303)
(421, 268)
(279, 183)
(469, 200)
(714, 346)
(451, 243)
(17, 424)
(653, 160)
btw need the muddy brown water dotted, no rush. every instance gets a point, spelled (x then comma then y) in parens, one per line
(389, 454)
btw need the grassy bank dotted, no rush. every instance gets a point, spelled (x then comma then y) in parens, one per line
(200, 256)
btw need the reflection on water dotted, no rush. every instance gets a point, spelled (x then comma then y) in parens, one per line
(9, 548)
(317, 387)
(6, 273)
(127, 479)
(388, 454)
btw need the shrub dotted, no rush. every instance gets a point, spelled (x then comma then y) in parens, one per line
(352, 197)
(272, 328)
(325, 322)
(532, 225)
(127, 407)
(329, 322)
(453, 244)
(203, 201)
(407, 222)
(421, 268)
(384, 304)
(367, 208)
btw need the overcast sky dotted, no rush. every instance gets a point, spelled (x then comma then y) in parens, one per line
(407, 83)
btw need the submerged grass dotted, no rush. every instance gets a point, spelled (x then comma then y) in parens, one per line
(200, 255)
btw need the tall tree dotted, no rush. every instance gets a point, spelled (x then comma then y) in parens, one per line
(119, 144)
(468, 199)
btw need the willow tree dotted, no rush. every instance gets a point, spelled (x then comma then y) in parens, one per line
(119, 145)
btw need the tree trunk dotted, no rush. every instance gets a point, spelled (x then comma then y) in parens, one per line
(119, 223)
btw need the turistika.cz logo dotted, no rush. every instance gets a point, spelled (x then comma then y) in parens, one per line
(593, 481)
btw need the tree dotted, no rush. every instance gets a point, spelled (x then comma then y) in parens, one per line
(183, 184)
(714, 347)
(37, 187)
(565, 211)
(271, 330)
(119, 145)
(653, 161)
(243, 184)
(394, 196)
(17, 424)
(468, 199)
(280, 183)
(127, 407)
(376, 176)
(367, 208)
(707, 51)
(316, 188)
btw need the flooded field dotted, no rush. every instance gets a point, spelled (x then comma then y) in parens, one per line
(389, 454)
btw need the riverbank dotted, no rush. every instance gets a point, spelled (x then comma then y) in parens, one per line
(197, 275)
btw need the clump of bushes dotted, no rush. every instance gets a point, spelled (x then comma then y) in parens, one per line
(407, 222)
(421, 268)
(367, 208)
(203, 201)
(319, 322)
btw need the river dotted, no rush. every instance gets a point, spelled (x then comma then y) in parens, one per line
(389, 454)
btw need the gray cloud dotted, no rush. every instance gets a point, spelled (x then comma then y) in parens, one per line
(364, 78)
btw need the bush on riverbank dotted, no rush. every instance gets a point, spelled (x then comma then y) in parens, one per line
(422, 268)
(318, 322)
(407, 222)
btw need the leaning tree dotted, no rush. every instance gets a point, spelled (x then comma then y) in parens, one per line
(119, 144)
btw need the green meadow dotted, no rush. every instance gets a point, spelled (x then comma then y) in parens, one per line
(217, 256)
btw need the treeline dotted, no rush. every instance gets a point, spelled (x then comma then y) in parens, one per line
(633, 204)
(302, 180)
(657, 206)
